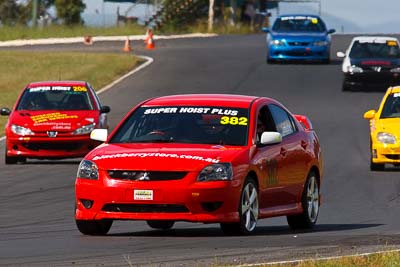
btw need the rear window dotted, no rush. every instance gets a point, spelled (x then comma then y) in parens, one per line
(55, 98)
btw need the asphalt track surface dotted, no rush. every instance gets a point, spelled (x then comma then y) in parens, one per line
(360, 211)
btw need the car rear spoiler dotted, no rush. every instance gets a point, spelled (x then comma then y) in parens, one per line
(304, 121)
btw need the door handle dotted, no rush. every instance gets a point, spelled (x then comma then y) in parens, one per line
(303, 144)
(283, 152)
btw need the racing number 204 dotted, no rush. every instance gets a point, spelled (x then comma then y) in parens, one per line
(233, 120)
(79, 89)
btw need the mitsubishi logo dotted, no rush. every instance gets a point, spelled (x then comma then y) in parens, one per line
(144, 177)
(52, 133)
(377, 69)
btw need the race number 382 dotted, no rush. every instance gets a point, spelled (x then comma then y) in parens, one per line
(233, 120)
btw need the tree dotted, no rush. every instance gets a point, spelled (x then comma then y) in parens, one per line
(41, 10)
(70, 11)
(10, 12)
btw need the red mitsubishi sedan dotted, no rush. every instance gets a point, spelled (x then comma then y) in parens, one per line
(227, 159)
(53, 120)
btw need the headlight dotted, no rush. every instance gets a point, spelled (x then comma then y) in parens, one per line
(386, 138)
(277, 42)
(21, 130)
(354, 69)
(216, 172)
(86, 129)
(320, 43)
(396, 70)
(88, 170)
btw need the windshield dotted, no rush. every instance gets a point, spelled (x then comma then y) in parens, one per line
(389, 49)
(55, 98)
(299, 24)
(194, 125)
(391, 109)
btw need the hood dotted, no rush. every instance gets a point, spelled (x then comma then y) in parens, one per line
(302, 36)
(373, 62)
(388, 125)
(165, 157)
(39, 121)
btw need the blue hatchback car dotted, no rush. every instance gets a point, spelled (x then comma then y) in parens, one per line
(298, 38)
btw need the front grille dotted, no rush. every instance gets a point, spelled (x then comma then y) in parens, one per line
(146, 175)
(145, 208)
(298, 53)
(393, 157)
(52, 146)
(298, 43)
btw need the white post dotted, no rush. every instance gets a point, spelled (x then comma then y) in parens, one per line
(210, 15)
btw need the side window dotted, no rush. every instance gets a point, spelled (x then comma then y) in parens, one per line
(95, 96)
(283, 122)
(265, 123)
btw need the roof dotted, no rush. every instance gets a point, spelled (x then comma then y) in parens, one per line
(57, 83)
(240, 101)
(374, 39)
(394, 89)
(299, 15)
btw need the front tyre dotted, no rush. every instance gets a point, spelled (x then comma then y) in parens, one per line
(375, 167)
(270, 61)
(162, 225)
(248, 211)
(310, 203)
(94, 227)
(13, 160)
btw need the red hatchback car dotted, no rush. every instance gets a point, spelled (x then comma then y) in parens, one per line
(53, 120)
(225, 159)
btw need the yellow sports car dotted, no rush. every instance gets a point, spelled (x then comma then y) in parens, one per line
(385, 130)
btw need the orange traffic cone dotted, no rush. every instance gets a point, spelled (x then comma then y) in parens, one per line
(150, 42)
(87, 40)
(146, 37)
(127, 47)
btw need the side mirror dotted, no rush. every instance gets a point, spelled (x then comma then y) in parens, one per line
(331, 31)
(370, 114)
(99, 135)
(265, 29)
(5, 111)
(340, 54)
(105, 109)
(270, 138)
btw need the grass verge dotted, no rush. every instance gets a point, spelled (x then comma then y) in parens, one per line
(17, 69)
(60, 31)
(385, 259)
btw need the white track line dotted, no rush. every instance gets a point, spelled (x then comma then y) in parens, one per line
(317, 259)
(148, 60)
(73, 40)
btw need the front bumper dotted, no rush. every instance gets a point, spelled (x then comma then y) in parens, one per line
(369, 79)
(50, 148)
(311, 53)
(178, 200)
(385, 153)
